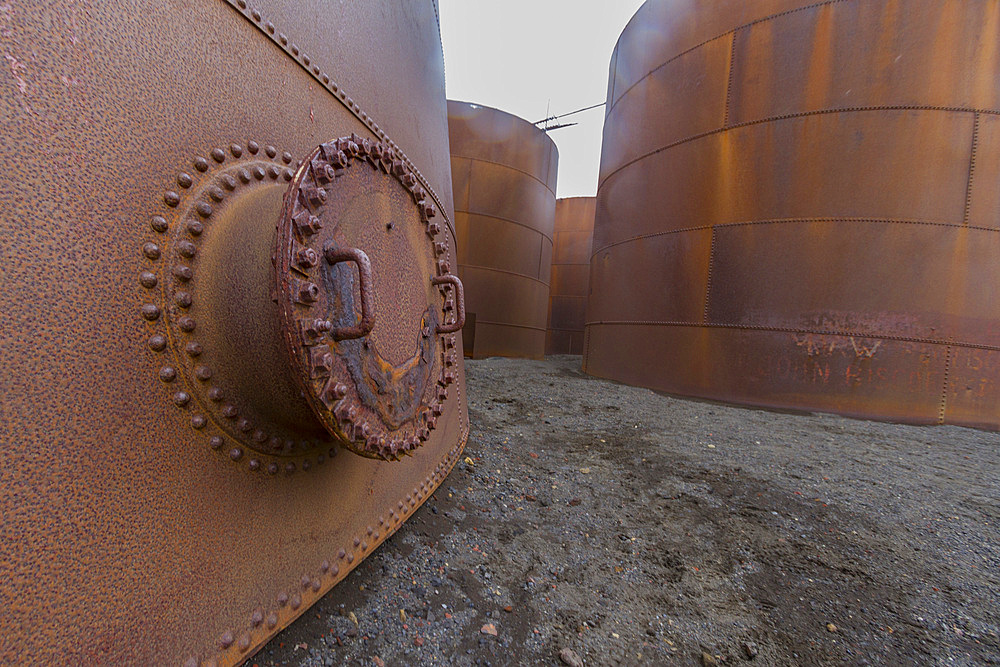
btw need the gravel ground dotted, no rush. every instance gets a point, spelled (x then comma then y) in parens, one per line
(616, 525)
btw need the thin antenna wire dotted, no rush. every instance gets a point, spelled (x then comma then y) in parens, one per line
(563, 115)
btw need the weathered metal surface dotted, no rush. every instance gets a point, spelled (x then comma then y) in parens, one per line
(798, 207)
(504, 179)
(172, 489)
(574, 231)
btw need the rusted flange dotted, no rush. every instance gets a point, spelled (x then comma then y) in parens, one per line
(364, 306)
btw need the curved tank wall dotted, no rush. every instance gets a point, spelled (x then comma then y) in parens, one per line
(798, 207)
(151, 514)
(574, 231)
(504, 180)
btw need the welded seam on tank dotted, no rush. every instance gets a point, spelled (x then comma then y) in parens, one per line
(710, 40)
(942, 408)
(795, 330)
(513, 273)
(513, 222)
(509, 324)
(972, 171)
(729, 83)
(708, 281)
(790, 116)
(506, 166)
(270, 31)
(784, 221)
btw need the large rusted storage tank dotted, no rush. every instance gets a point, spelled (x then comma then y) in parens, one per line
(798, 207)
(574, 231)
(227, 242)
(504, 178)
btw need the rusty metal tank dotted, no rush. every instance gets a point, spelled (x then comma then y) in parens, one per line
(798, 207)
(504, 179)
(228, 317)
(574, 231)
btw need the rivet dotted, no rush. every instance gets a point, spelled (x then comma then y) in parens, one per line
(324, 567)
(244, 642)
(375, 535)
(259, 436)
(286, 157)
(350, 558)
(157, 343)
(272, 468)
(271, 151)
(186, 324)
(255, 15)
(381, 521)
(171, 198)
(287, 174)
(235, 453)
(198, 421)
(296, 601)
(151, 312)
(306, 465)
(181, 398)
(295, 51)
(315, 70)
(282, 599)
(257, 617)
(244, 425)
(253, 147)
(215, 442)
(273, 171)
(269, 27)
(217, 194)
(282, 39)
(183, 299)
(191, 662)
(183, 273)
(289, 468)
(229, 411)
(332, 452)
(236, 150)
(228, 182)
(187, 249)
(158, 223)
(254, 464)
(204, 209)
(369, 530)
(258, 173)
(226, 640)
(218, 154)
(306, 60)
(326, 79)
(244, 175)
(193, 349)
(184, 179)
(341, 553)
(147, 279)
(195, 228)
(272, 620)
(364, 546)
(203, 373)
(315, 585)
(201, 164)
(335, 570)
(151, 250)
(305, 581)
(242, 3)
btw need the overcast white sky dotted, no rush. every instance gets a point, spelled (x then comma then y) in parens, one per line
(524, 55)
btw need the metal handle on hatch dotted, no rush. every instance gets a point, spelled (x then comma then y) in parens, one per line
(450, 279)
(365, 284)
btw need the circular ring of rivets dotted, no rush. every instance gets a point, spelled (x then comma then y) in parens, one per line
(329, 386)
(170, 259)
